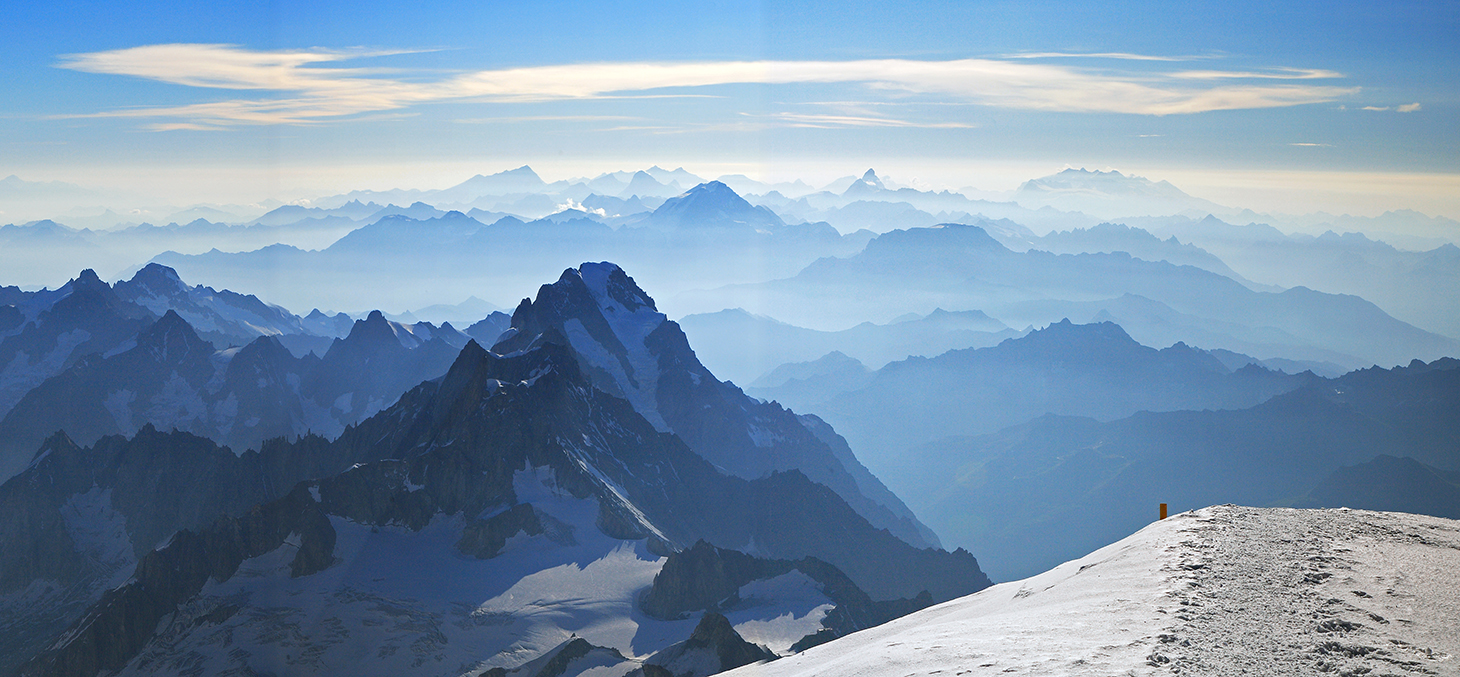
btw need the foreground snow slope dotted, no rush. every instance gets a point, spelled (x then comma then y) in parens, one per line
(1225, 590)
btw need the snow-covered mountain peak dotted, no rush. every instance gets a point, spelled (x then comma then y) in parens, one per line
(607, 319)
(714, 191)
(712, 205)
(613, 288)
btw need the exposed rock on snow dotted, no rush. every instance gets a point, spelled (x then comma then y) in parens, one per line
(1225, 590)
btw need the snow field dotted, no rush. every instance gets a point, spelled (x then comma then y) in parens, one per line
(1220, 591)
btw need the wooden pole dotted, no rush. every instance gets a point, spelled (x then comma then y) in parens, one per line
(1163, 511)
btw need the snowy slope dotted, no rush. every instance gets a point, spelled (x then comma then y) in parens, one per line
(1224, 590)
(397, 601)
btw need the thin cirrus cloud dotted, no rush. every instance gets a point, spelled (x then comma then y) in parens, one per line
(1404, 108)
(308, 86)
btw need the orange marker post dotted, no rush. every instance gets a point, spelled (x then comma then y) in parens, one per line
(1163, 511)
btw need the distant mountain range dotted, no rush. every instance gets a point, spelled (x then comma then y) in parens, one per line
(746, 347)
(708, 234)
(1373, 439)
(961, 266)
(1094, 370)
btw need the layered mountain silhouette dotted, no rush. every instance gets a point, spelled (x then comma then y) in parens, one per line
(961, 266)
(1092, 370)
(708, 233)
(744, 347)
(1038, 493)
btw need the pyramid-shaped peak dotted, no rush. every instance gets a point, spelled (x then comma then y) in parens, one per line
(713, 189)
(159, 279)
(372, 330)
(713, 204)
(87, 278)
(171, 338)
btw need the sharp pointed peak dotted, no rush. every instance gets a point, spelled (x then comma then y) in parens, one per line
(606, 281)
(170, 336)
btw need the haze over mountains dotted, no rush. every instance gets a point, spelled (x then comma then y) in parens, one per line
(723, 421)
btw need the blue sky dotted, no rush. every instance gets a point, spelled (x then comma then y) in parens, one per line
(240, 100)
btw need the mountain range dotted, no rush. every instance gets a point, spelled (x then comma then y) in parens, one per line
(475, 524)
(709, 233)
(1372, 439)
(961, 266)
(199, 481)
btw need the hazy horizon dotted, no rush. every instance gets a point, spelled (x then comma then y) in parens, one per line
(1276, 108)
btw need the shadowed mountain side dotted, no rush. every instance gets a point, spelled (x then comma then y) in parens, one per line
(961, 266)
(85, 317)
(456, 448)
(1389, 483)
(631, 350)
(172, 379)
(1036, 494)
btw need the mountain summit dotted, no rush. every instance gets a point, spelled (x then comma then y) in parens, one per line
(712, 205)
(631, 350)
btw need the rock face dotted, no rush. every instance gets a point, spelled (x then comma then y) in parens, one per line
(120, 624)
(58, 329)
(631, 350)
(452, 451)
(707, 578)
(713, 647)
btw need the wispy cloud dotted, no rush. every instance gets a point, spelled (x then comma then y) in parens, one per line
(1405, 108)
(825, 121)
(1124, 56)
(1275, 74)
(306, 86)
(546, 118)
(1312, 145)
